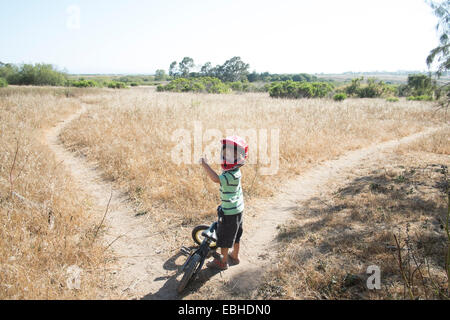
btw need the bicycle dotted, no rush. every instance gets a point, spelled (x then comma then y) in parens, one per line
(196, 259)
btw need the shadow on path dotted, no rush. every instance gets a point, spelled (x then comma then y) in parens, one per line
(169, 290)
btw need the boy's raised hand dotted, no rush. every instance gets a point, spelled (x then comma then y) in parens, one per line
(211, 173)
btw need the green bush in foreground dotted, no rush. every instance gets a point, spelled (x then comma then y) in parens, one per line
(3, 83)
(339, 97)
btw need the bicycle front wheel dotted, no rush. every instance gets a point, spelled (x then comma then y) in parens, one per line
(189, 271)
(198, 238)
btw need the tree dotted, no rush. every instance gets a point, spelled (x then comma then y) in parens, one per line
(233, 69)
(38, 74)
(47, 74)
(206, 69)
(296, 90)
(253, 77)
(160, 75)
(441, 52)
(27, 74)
(185, 65)
(3, 83)
(420, 84)
(9, 72)
(354, 87)
(173, 71)
(373, 89)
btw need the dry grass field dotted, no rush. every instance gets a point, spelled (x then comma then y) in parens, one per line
(324, 250)
(127, 134)
(336, 236)
(45, 223)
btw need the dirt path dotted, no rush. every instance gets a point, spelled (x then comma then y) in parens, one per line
(141, 254)
(259, 245)
(146, 267)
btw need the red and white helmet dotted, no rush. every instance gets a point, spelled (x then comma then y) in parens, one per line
(236, 154)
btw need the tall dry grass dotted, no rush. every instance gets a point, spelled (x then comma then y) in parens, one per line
(45, 222)
(45, 219)
(438, 142)
(129, 135)
(327, 249)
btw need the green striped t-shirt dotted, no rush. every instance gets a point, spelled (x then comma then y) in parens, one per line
(231, 192)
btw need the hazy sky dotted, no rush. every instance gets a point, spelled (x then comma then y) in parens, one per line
(279, 36)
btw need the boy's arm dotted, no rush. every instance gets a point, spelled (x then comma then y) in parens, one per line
(211, 173)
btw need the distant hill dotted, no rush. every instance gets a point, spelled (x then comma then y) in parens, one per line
(389, 77)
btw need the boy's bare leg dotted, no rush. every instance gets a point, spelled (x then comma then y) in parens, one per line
(235, 253)
(224, 253)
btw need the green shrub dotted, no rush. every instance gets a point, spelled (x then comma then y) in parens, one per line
(321, 89)
(202, 84)
(134, 84)
(403, 90)
(197, 87)
(116, 85)
(3, 83)
(421, 85)
(392, 99)
(245, 86)
(302, 90)
(297, 90)
(354, 87)
(372, 89)
(250, 87)
(124, 79)
(340, 96)
(84, 84)
(236, 86)
(420, 98)
(38, 74)
(265, 88)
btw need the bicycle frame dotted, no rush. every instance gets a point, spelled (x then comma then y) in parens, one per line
(204, 248)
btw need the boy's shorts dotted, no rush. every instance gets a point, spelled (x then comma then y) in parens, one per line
(229, 229)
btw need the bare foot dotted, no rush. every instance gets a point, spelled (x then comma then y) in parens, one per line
(232, 259)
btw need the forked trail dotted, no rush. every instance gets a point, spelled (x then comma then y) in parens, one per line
(140, 253)
(145, 267)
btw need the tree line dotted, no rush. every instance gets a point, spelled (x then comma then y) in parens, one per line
(418, 87)
(41, 74)
(232, 70)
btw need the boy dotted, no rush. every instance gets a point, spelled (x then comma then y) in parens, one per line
(229, 228)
